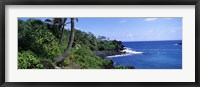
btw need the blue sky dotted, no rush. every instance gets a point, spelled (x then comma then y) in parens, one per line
(132, 29)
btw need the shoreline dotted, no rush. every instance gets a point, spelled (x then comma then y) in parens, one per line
(110, 54)
(105, 54)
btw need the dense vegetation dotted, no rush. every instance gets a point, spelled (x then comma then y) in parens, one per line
(43, 44)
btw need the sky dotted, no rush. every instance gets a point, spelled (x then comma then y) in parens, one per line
(131, 29)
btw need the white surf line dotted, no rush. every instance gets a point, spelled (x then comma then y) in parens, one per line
(128, 51)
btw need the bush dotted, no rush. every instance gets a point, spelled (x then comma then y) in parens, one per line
(86, 60)
(33, 35)
(26, 30)
(108, 64)
(45, 45)
(28, 60)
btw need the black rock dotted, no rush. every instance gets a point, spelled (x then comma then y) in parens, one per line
(130, 67)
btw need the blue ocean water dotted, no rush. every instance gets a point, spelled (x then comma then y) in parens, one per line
(156, 55)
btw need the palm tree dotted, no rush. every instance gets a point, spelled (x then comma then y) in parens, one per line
(60, 23)
(70, 43)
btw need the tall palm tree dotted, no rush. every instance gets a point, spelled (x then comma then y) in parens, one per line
(61, 23)
(70, 43)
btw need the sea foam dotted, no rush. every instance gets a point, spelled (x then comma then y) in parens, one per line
(128, 51)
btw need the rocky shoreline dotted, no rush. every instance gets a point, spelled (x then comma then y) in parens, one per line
(105, 54)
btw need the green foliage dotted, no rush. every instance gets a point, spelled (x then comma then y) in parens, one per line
(33, 35)
(28, 60)
(44, 44)
(86, 40)
(106, 45)
(38, 45)
(26, 30)
(85, 59)
(89, 41)
(56, 26)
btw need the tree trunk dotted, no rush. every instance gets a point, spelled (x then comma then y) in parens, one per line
(71, 40)
(62, 30)
(60, 41)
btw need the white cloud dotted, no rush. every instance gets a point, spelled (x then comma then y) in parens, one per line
(122, 21)
(151, 19)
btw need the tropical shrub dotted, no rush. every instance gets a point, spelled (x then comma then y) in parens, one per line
(28, 60)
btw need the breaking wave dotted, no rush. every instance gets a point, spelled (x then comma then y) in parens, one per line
(127, 51)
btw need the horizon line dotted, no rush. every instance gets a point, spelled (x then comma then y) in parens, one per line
(151, 40)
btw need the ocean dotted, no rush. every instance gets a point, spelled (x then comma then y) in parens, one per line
(151, 55)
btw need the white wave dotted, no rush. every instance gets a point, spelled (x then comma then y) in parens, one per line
(128, 51)
(175, 44)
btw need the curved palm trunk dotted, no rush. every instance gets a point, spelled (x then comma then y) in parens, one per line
(71, 40)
